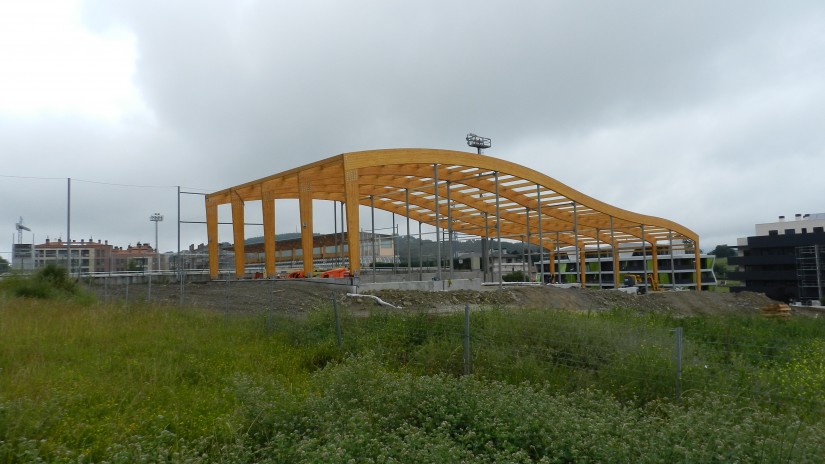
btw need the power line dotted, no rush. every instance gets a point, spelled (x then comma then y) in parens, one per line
(101, 182)
(32, 177)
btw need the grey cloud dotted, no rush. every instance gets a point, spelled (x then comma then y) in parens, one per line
(609, 97)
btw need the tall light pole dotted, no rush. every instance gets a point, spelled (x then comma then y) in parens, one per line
(480, 143)
(157, 217)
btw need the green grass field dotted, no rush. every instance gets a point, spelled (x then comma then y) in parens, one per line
(85, 382)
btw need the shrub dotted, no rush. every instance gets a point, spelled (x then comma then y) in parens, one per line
(515, 276)
(47, 282)
(360, 412)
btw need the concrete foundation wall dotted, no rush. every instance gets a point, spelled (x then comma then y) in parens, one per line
(424, 285)
(403, 276)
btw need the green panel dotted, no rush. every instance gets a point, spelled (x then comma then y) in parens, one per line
(664, 278)
(593, 267)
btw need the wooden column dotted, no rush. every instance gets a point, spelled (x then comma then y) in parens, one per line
(599, 255)
(305, 205)
(541, 236)
(644, 256)
(212, 236)
(268, 207)
(697, 257)
(672, 262)
(351, 192)
(238, 234)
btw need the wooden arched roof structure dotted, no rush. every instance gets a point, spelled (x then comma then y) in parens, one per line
(435, 187)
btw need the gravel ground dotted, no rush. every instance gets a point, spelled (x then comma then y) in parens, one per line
(299, 297)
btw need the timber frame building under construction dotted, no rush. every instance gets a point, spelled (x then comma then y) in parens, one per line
(453, 191)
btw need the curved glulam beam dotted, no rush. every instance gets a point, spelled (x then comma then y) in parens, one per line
(389, 176)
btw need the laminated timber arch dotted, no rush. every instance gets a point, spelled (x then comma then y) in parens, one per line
(420, 182)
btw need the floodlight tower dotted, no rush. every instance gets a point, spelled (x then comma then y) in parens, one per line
(157, 217)
(478, 142)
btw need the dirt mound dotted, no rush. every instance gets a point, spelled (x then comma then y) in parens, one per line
(244, 295)
(424, 299)
(578, 299)
(685, 303)
(299, 297)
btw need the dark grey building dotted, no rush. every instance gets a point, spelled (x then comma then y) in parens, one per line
(785, 260)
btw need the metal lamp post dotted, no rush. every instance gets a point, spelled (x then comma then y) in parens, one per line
(480, 143)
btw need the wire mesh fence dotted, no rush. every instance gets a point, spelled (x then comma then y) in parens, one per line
(634, 357)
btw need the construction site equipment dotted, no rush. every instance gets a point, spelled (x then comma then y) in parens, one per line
(654, 282)
(336, 273)
(776, 310)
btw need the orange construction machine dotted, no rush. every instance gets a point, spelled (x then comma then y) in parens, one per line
(336, 273)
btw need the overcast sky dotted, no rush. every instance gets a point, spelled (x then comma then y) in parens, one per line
(707, 113)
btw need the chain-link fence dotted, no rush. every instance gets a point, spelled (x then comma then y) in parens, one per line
(636, 358)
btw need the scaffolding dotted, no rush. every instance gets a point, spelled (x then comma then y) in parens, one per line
(809, 272)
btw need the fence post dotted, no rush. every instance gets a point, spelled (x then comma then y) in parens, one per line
(270, 326)
(128, 278)
(149, 295)
(226, 301)
(337, 322)
(678, 335)
(182, 281)
(467, 360)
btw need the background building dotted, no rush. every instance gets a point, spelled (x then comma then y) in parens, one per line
(96, 257)
(87, 256)
(139, 258)
(328, 250)
(672, 266)
(784, 260)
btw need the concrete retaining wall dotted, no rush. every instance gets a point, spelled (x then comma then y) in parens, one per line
(424, 285)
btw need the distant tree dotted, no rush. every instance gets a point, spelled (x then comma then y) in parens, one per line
(4, 265)
(720, 270)
(723, 251)
(134, 264)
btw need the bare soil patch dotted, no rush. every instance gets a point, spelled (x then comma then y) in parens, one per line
(299, 297)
